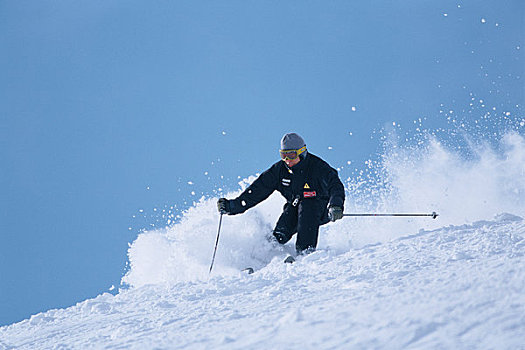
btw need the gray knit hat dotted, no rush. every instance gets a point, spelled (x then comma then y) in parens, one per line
(292, 141)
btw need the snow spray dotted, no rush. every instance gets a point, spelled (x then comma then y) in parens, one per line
(467, 178)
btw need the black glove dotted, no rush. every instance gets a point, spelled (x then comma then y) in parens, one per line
(224, 206)
(335, 213)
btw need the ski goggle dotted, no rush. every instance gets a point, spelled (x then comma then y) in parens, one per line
(291, 154)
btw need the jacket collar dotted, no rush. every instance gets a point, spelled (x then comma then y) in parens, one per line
(299, 166)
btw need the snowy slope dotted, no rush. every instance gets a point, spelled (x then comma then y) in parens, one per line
(456, 287)
(457, 282)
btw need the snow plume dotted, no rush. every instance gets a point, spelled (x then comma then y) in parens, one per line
(183, 252)
(434, 177)
(428, 177)
(461, 190)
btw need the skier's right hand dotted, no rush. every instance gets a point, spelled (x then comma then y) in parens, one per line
(224, 206)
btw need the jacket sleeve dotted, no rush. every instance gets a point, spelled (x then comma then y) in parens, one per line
(258, 191)
(334, 186)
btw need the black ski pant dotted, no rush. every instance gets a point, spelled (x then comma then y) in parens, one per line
(303, 219)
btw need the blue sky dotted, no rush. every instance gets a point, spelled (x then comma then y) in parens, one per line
(112, 107)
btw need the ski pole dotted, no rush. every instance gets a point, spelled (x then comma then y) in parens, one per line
(433, 215)
(216, 244)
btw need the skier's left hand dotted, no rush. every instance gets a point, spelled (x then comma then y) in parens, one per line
(335, 213)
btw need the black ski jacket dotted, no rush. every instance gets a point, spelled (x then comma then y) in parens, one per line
(310, 179)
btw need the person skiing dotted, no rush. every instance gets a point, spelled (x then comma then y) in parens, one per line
(313, 191)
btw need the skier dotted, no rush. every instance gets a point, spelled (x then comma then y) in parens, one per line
(314, 194)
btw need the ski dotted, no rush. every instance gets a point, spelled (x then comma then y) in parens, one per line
(289, 260)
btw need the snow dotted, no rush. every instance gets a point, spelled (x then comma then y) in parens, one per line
(454, 287)
(456, 282)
